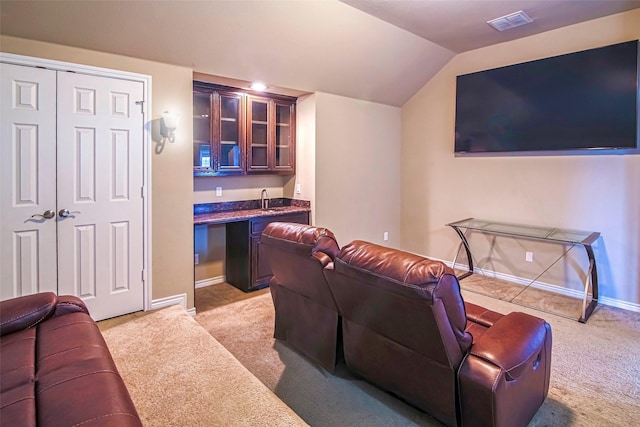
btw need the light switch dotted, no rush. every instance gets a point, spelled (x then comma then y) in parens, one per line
(218, 191)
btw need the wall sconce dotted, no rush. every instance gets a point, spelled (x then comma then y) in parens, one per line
(169, 125)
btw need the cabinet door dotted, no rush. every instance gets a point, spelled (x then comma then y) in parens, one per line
(202, 138)
(260, 268)
(228, 132)
(259, 139)
(284, 142)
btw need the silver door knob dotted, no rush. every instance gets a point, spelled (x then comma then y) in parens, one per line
(64, 213)
(48, 214)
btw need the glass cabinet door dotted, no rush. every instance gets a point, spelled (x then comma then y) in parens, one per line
(284, 152)
(240, 133)
(258, 133)
(229, 134)
(202, 155)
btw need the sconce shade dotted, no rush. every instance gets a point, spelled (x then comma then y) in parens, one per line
(170, 120)
(169, 125)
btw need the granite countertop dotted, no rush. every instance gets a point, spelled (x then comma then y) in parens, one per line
(222, 213)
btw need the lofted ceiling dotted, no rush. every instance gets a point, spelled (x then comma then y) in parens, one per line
(376, 50)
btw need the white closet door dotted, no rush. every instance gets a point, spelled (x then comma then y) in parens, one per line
(100, 177)
(28, 175)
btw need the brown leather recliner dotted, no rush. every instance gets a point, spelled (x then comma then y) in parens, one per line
(407, 329)
(306, 313)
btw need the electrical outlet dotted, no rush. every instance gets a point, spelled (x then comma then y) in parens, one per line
(298, 190)
(528, 256)
(218, 191)
(196, 259)
(385, 236)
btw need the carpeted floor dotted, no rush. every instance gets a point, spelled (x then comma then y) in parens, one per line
(178, 375)
(595, 378)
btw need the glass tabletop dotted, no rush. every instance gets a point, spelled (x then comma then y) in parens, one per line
(530, 231)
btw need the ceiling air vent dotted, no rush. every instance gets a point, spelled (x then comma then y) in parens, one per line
(512, 20)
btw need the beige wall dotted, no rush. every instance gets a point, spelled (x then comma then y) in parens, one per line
(305, 153)
(357, 165)
(589, 192)
(172, 181)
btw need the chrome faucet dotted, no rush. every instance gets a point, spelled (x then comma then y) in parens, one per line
(264, 199)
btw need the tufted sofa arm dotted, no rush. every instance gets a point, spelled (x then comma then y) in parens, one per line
(505, 377)
(25, 312)
(29, 310)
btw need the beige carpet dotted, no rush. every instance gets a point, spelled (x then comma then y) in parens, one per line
(178, 375)
(595, 378)
(529, 296)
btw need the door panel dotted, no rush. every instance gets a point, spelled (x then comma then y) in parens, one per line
(100, 176)
(28, 169)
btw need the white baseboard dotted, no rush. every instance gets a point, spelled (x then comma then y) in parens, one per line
(211, 281)
(180, 300)
(625, 305)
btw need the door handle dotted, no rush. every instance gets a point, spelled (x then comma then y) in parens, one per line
(48, 214)
(65, 213)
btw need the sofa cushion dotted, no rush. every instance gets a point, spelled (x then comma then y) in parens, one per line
(17, 378)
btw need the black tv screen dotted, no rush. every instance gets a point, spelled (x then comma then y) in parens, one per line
(582, 100)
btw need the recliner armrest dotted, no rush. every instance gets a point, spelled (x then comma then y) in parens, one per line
(26, 311)
(513, 343)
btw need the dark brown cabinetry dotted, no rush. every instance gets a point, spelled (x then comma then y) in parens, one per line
(235, 132)
(246, 267)
(270, 135)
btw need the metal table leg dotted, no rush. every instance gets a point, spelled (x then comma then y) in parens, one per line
(466, 248)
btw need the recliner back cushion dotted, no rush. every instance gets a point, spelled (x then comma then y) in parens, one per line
(410, 299)
(297, 254)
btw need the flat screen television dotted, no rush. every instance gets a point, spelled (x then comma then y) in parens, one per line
(577, 101)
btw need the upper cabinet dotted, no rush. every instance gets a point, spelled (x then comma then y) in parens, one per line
(270, 135)
(236, 132)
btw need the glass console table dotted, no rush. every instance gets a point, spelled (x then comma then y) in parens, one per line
(572, 237)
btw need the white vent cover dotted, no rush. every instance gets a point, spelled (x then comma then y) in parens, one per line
(512, 20)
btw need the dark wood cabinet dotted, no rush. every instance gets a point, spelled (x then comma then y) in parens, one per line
(218, 131)
(246, 266)
(236, 132)
(270, 135)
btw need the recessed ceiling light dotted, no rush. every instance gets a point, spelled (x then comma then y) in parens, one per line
(258, 86)
(512, 20)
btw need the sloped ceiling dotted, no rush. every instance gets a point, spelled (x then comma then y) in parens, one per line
(305, 45)
(460, 25)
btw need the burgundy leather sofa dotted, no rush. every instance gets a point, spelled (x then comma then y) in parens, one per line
(55, 367)
(306, 313)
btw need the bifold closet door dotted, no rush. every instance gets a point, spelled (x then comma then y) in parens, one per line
(28, 259)
(100, 205)
(71, 197)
